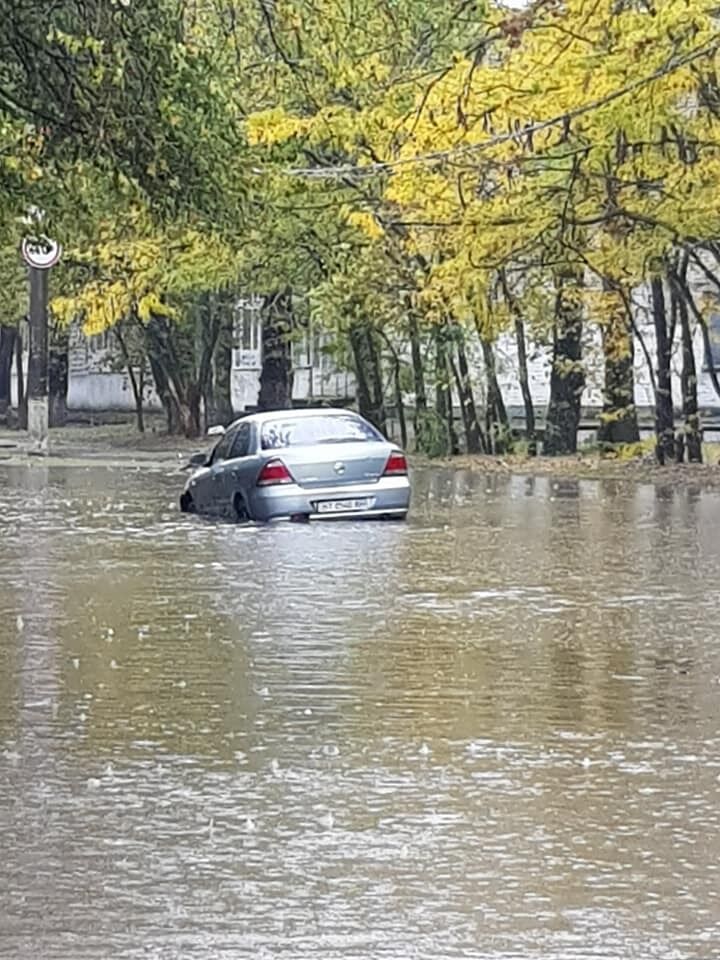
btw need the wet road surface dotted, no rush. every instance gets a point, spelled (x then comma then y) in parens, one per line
(491, 732)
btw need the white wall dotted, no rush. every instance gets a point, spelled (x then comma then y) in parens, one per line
(13, 380)
(92, 385)
(244, 387)
(539, 362)
(105, 391)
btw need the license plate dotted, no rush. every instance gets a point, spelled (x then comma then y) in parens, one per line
(342, 506)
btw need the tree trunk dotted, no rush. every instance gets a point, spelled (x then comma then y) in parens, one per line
(8, 336)
(684, 291)
(357, 344)
(376, 383)
(693, 436)
(530, 430)
(137, 381)
(567, 378)
(21, 392)
(418, 372)
(138, 388)
(399, 401)
(497, 425)
(397, 385)
(179, 382)
(664, 419)
(474, 442)
(222, 412)
(443, 393)
(618, 422)
(190, 412)
(58, 380)
(521, 346)
(208, 400)
(276, 373)
(367, 370)
(162, 388)
(400, 406)
(207, 331)
(160, 357)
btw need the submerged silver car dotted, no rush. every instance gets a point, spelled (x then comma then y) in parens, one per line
(310, 464)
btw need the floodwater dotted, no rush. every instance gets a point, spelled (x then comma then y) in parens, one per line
(492, 732)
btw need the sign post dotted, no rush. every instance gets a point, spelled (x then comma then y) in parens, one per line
(40, 255)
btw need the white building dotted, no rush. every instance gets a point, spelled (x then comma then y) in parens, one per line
(540, 357)
(97, 382)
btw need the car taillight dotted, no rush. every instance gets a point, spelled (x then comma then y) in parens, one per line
(396, 465)
(274, 472)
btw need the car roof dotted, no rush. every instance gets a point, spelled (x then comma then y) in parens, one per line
(300, 413)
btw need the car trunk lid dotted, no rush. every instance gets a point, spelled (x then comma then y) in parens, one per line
(336, 464)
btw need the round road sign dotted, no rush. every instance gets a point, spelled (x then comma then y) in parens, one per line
(41, 252)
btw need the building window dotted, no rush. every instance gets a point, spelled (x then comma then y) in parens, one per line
(714, 335)
(101, 342)
(77, 350)
(324, 359)
(247, 333)
(302, 349)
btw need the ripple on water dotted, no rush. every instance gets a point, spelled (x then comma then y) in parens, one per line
(488, 733)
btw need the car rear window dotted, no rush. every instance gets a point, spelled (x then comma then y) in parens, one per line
(306, 431)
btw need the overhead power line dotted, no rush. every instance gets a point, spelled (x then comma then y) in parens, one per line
(354, 170)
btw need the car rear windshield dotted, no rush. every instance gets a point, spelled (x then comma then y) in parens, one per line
(306, 431)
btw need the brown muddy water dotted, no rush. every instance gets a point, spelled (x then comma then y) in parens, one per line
(492, 732)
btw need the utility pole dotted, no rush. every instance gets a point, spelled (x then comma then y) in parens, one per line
(40, 255)
(37, 384)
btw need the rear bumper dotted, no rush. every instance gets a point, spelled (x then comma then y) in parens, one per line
(388, 497)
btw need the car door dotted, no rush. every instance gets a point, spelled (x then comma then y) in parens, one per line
(240, 467)
(206, 487)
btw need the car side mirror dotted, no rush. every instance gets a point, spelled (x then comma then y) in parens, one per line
(216, 431)
(197, 460)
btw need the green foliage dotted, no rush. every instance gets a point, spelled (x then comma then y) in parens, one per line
(13, 284)
(384, 160)
(432, 436)
(131, 89)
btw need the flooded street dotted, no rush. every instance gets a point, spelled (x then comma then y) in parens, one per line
(491, 732)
